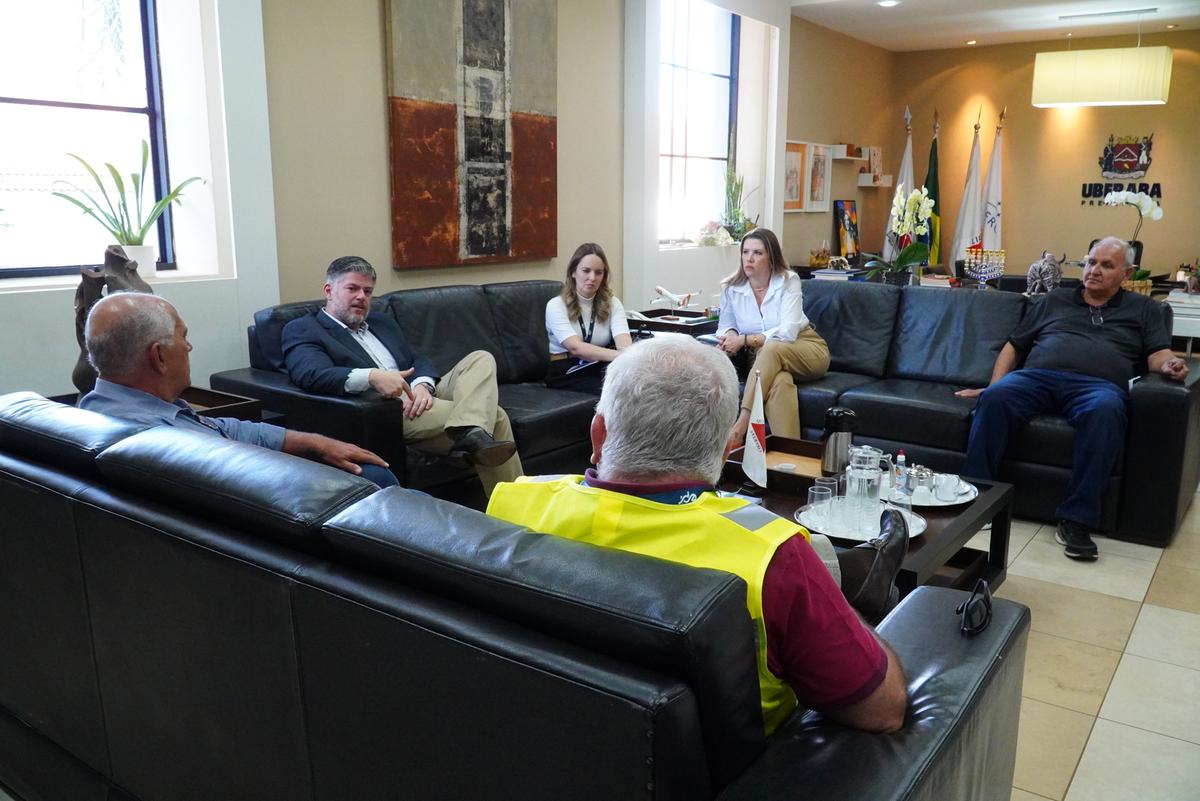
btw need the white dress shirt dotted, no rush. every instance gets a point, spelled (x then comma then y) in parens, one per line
(781, 315)
(559, 326)
(359, 379)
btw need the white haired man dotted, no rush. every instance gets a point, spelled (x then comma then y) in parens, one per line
(138, 345)
(1076, 351)
(659, 440)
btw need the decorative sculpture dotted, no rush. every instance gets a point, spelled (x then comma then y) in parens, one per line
(119, 274)
(1044, 274)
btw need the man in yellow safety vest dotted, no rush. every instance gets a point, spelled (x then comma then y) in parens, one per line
(658, 440)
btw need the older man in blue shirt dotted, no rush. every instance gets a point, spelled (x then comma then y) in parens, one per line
(138, 345)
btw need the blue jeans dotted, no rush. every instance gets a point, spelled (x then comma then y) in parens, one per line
(1094, 407)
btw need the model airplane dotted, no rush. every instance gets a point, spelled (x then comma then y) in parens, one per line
(671, 299)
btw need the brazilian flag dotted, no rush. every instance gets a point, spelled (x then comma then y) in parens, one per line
(934, 237)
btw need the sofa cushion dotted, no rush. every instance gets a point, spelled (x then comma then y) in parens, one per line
(1048, 439)
(56, 434)
(952, 335)
(684, 622)
(856, 320)
(545, 419)
(268, 332)
(446, 323)
(817, 396)
(275, 495)
(519, 310)
(923, 412)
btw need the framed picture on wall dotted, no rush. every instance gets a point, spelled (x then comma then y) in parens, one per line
(793, 176)
(817, 177)
(845, 229)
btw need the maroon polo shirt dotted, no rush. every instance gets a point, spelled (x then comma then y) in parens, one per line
(815, 640)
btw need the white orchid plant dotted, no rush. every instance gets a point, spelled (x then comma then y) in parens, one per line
(1147, 207)
(910, 215)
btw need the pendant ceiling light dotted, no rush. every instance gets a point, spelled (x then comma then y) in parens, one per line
(1125, 76)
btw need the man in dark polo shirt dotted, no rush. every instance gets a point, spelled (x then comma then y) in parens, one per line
(1077, 350)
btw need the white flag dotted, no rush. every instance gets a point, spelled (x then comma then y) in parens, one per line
(754, 457)
(991, 197)
(904, 179)
(968, 229)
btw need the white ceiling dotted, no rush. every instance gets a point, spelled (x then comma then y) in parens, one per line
(940, 24)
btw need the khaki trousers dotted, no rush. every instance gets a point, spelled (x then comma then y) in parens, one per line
(466, 396)
(806, 358)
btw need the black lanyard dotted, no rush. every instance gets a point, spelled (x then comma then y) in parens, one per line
(587, 335)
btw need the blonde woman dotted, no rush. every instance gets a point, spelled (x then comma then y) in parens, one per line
(585, 324)
(762, 311)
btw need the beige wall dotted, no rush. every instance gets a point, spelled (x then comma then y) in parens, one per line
(840, 90)
(326, 85)
(1049, 153)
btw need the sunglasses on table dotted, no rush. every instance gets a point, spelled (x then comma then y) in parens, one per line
(976, 611)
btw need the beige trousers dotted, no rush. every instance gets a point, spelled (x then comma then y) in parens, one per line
(806, 358)
(466, 396)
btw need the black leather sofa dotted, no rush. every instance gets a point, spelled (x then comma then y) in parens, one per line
(899, 354)
(186, 618)
(444, 323)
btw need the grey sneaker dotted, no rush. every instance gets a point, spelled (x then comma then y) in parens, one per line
(1077, 541)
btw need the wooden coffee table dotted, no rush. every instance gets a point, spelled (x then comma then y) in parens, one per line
(938, 556)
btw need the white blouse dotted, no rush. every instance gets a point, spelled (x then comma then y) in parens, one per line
(781, 315)
(559, 326)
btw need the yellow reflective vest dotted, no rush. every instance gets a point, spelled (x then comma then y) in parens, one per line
(727, 534)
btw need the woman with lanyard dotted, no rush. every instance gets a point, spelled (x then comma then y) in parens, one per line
(586, 325)
(762, 312)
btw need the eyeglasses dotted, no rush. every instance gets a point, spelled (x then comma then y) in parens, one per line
(976, 611)
(1097, 314)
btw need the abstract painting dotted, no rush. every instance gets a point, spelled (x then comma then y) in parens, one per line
(472, 131)
(845, 228)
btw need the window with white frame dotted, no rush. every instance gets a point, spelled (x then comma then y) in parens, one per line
(87, 77)
(697, 114)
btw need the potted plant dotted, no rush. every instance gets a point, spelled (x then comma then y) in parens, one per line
(1139, 281)
(911, 219)
(734, 219)
(120, 212)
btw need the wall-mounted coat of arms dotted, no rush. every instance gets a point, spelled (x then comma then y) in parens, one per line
(1126, 157)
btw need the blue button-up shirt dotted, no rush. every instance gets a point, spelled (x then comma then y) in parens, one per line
(117, 400)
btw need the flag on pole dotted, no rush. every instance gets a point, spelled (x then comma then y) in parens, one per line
(968, 229)
(754, 457)
(991, 195)
(904, 180)
(934, 237)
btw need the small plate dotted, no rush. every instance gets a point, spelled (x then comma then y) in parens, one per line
(840, 527)
(924, 497)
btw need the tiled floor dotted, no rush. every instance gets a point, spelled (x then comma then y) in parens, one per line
(1111, 706)
(1112, 677)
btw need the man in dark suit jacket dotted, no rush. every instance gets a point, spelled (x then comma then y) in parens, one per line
(345, 349)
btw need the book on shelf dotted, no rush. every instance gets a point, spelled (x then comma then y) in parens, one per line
(943, 281)
(830, 274)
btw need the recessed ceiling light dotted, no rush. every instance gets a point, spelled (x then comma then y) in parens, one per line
(889, 3)
(1172, 27)
(971, 41)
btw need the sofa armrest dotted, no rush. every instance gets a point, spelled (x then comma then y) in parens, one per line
(960, 734)
(1162, 456)
(367, 420)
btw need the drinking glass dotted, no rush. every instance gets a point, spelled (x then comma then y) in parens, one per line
(832, 483)
(820, 500)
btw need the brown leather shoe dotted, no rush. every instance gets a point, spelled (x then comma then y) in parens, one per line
(869, 570)
(477, 447)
